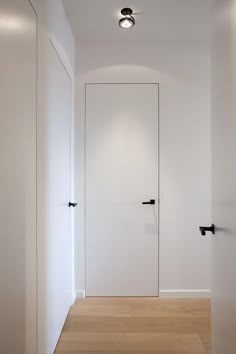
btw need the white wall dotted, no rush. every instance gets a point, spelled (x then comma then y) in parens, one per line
(52, 25)
(183, 71)
(17, 177)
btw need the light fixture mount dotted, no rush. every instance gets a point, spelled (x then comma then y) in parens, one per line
(126, 11)
(128, 21)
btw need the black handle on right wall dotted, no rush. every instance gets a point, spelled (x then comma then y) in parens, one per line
(204, 229)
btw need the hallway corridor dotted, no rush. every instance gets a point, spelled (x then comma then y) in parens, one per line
(137, 325)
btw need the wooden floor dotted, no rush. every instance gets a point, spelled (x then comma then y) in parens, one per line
(137, 325)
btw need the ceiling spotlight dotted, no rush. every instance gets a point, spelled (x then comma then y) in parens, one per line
(128, 21)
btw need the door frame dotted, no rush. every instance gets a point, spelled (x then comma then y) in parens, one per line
(158, 166)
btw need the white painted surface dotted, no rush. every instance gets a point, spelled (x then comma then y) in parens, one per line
(58, 257)
(155, 19)
(121, 173)
(18, 177)
(80, 294)
(53, 25)
(185, 293)
(183, 71)
(224, 162)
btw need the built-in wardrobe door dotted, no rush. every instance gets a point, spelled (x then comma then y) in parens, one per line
(17, 177)
(223, 177)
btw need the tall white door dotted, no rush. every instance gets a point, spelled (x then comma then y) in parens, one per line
(55, 289)
(121, 174)
(224, 177)
(17, 177)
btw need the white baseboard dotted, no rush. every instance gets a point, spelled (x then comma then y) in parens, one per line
(185, 293)
(169, 293)
(80, 294)
(73, 297)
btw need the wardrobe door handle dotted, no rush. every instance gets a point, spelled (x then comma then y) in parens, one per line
(72, 205)
(151, 202)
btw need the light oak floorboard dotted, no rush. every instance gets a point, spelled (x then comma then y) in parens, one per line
(133, 352)
(137, 325)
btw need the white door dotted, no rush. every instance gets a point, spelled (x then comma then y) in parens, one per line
(224, 177)
(55, 292)
(121, 174)
(17, 177)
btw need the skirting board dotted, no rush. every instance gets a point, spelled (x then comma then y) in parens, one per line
(169, 293)
(80, 294)
(73, 298)
(185, 293)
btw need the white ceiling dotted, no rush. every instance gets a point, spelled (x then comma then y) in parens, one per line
(156, 19)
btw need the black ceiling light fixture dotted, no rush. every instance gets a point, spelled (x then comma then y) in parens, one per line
(128, 21)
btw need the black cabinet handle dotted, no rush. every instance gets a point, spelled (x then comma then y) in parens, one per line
(151, 202)
(72, 205)
(204, 229)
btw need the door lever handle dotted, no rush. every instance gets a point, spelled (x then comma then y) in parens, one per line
(151, 202)
(204, 229)
(72, 205)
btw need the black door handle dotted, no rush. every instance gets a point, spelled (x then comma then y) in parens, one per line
(151, 202)
(72, 205)
(204, 229)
